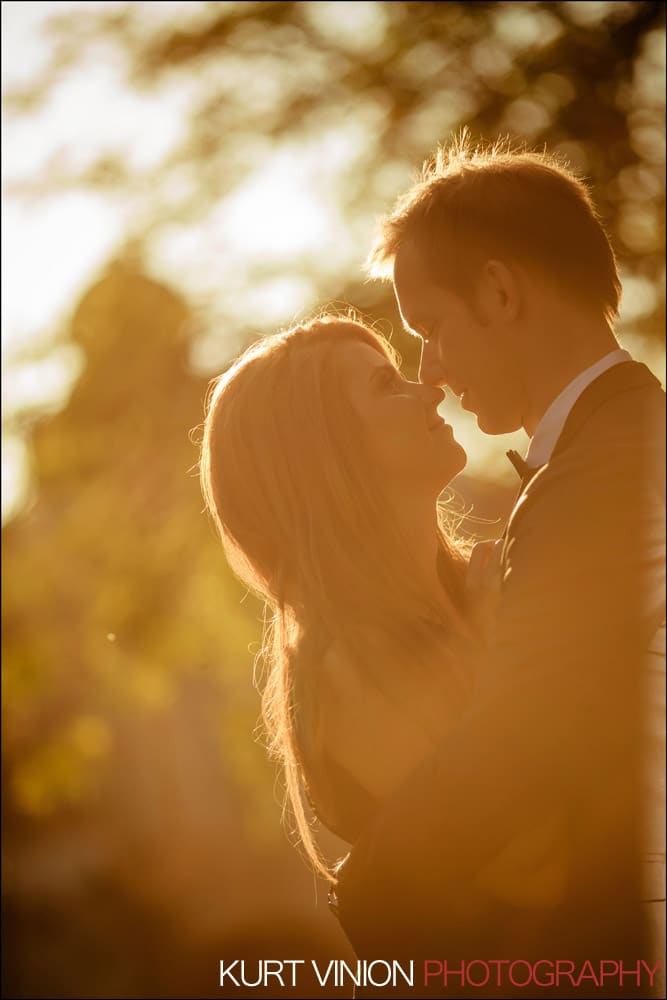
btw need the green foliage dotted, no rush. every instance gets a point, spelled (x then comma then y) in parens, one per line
(118, 591)
(366, 89)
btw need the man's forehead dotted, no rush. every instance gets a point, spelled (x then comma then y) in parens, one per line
(412, 284)
(410, 266)
(410, 289)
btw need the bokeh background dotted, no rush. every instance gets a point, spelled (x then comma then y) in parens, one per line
(180, 179)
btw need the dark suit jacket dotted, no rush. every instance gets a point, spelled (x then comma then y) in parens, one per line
(555, 731)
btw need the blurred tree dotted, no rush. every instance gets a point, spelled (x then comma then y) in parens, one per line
(367, 88)
(128, 709)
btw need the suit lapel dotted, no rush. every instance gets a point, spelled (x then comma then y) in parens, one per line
(624, 377)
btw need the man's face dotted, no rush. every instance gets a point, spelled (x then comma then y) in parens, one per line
(463, 350)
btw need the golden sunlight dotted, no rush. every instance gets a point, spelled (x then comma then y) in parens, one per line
(181, 179)
(255, 224)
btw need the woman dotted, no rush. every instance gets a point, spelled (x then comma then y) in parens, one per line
(322, 467)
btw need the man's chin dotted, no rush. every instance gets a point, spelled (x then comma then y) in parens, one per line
(497, 425)
(491, 423)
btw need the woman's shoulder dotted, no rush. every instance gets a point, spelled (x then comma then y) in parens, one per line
(371, 721)
(341, 670)
(344, 678)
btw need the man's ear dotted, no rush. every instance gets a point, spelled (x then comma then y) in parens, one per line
(498, 293)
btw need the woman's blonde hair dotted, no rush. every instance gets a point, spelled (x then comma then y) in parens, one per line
(290, 485)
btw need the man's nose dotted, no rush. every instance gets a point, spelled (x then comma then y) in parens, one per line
(430, 365)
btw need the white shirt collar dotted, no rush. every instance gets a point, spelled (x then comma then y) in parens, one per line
(550, 426)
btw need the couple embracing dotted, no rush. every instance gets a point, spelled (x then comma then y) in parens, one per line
(483, 727)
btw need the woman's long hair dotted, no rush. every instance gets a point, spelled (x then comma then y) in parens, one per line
(302, 514)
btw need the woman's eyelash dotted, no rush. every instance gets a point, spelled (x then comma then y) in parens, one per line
(391, 378)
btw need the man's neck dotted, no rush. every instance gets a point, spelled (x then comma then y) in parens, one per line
(559, 362)
(550, 427)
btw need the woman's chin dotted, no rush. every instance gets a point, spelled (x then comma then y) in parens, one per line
(461, 464)
(453, 463)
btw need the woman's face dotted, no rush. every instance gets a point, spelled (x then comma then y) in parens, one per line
(407, 440)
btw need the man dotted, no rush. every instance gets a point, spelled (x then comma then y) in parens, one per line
(521, 839)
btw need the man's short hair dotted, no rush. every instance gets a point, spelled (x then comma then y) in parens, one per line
(474, 203)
